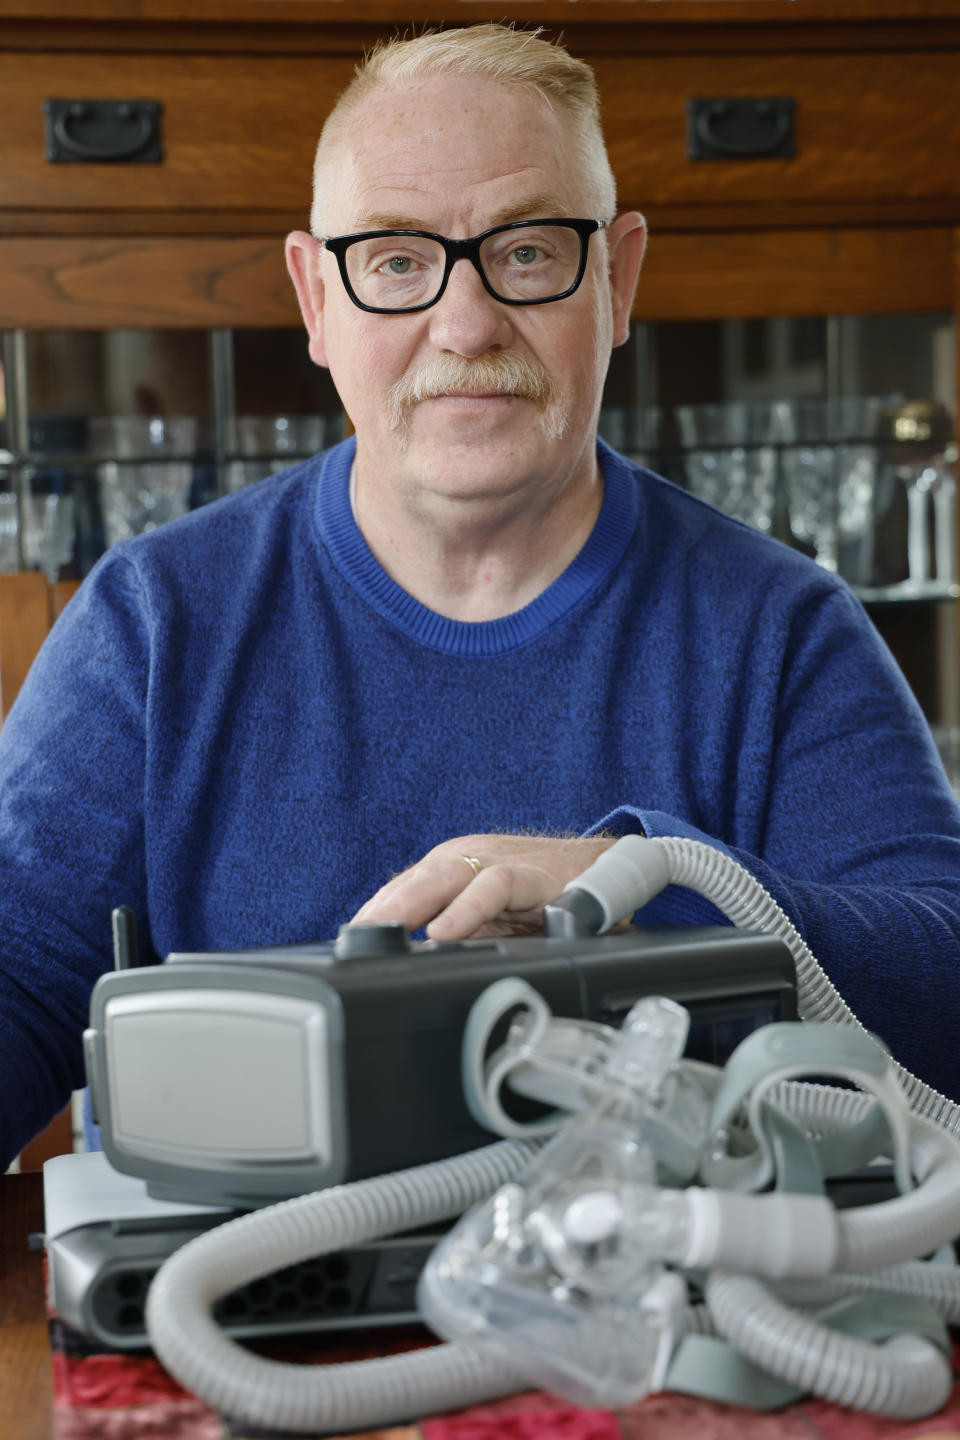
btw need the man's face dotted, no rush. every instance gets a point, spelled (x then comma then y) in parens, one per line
(457, 156)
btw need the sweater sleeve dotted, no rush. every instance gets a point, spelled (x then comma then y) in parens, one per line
(71, 840)
(857, 836)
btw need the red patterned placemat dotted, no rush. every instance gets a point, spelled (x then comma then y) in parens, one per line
(101, 1395)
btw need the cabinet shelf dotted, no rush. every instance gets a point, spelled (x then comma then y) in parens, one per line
(907, 592)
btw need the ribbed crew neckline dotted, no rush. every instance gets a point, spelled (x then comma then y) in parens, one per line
(589, 568)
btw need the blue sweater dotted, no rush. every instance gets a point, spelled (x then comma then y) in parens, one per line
(241, 727)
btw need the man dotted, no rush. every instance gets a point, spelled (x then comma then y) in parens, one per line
(471, 647)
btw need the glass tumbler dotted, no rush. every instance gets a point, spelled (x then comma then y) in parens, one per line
(730, 457)
(145, 472)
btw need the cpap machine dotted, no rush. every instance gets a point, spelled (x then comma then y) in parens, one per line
(709, 1177)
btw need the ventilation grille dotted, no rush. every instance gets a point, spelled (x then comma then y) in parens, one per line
(368, 1286)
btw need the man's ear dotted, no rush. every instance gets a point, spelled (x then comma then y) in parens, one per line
(626, 243)
(303, 263)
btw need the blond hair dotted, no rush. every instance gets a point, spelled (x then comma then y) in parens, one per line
(495, 52)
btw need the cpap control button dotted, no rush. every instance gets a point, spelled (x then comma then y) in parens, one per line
(371, 942)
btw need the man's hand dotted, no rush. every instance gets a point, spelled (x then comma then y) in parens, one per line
(519, 875)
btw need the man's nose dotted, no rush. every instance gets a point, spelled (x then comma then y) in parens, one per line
(467, 319)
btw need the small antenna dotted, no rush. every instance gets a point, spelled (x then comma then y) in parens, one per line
(124, 924)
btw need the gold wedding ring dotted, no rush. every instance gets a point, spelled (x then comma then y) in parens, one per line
(475, 865)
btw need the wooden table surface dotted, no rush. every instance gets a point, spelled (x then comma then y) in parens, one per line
(26, 1381)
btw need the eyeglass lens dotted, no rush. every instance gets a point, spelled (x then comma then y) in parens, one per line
(395, 272)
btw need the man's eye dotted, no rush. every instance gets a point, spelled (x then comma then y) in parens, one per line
(398, 265)
(524, 254)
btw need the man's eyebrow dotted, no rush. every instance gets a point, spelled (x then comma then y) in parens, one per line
(538, 207)
(387, 221)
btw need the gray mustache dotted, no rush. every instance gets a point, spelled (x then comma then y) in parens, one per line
(497, 374)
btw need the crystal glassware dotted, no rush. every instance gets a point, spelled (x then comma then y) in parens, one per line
(829, 464)
(730, 458)
(9, 525)
(633, 430)
(274, 435)
(136, 498)
(146, 470)
(49, 532)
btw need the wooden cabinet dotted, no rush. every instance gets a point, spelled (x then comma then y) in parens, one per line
(862, 218)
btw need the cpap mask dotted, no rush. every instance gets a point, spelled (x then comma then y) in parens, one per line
(661, 1224)
(581, 1272)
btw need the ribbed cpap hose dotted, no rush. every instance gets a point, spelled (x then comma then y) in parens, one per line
(935, 1283)
(724, 881)
(375, 1393)
(908, 1378)
(331, 1398)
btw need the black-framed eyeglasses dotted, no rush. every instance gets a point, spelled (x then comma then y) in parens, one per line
(528, 262)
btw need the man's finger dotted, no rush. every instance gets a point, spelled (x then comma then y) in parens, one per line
(419, 894)
(498, 892)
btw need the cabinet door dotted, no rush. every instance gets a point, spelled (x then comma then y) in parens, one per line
(235, 132)
(868, 127)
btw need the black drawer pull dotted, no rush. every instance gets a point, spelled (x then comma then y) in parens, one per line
(740, 128)
(84, 132)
